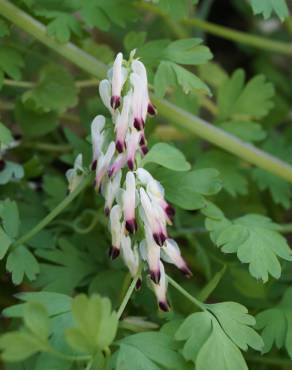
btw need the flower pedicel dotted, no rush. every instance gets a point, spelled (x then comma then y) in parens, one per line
(134, 198)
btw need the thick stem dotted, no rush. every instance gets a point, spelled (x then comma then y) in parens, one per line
(186, 294)
(224, 140)
(55, 212)
(171, 112)
(240, 37)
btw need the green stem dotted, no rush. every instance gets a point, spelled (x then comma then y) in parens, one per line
(68, 357)
(24, 84)
(258, 42)
(55, 212)
(270, 360)
(223, 139)
(171, 112)
(186, 294)
(47, 147)
(285, 228)
(128, 294)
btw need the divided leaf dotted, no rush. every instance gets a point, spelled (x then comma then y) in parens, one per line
(277, 324)
(212, 338)
(21, 262)
(11, 62)
(267, 7)
(250, 101)
(96, 324)
(255, 240)
(148, 350)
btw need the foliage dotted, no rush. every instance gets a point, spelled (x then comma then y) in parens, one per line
(220, 146)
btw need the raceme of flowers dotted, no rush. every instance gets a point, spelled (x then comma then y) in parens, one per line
(134, 200)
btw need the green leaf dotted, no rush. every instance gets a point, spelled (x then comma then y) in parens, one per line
(236, 100)
(11, 172)
(233, 180)
(276, 323)
(35, 123)
(255, 240)
(62, 25)
(5, 243)
(267, 7)
(96, 324)
(55, 90)
(170, 74)
(101, 13)
(279, 189)
(152, 52)
(17, 346)
(148, 350)
(187, 51)
(37, 320)
(55, 303)
(176, 9)
(187, 190)
(11, 62)
(245, 130)
(134, 40)
(21, 262)
(64, 268)
(212, 338)
(167, 156)
(10, 217)
(5, 135)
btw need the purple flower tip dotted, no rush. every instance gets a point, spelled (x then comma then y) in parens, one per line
(131, 226)
(2, 164)
(186, 271)
(144, 149)
(163, 306)
(155, 276)
(151, 109)
(170, 211)
(159, 239)
(107, 211)
(114, 252)
(115, 102)
(138, 123)
(119, 146)
(138, 284)
(130, 163)
(93, 165)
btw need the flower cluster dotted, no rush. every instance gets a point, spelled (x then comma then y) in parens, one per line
(133, 199)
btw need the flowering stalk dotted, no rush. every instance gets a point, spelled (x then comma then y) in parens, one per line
(133, 198)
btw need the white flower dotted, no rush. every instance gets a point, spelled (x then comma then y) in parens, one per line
(97, 137)
(118, 79)
(105, 94)
(111, 190)
(154, 220)
(118, 164)
(132, 142)
(151, 253)
(138, 101)
(130, 256)
(160, 289)
(139, 68)
(170, 253)
(129, 203)
(103, 164)
(123, 121)
(116, 229)
(75, 174)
